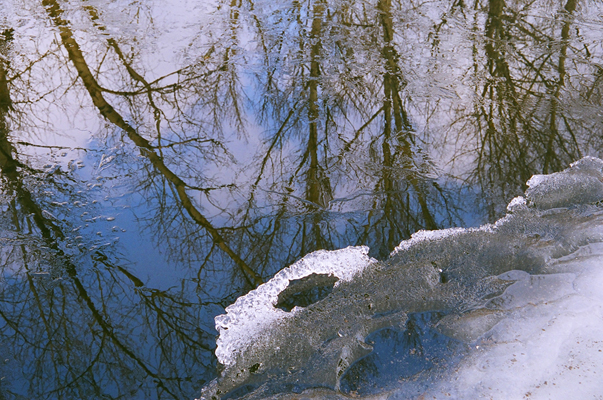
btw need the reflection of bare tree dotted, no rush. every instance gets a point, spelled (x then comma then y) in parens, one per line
(5, 102)
(318, 187)
(551, 160)
(398, 130)
(59, 314)
(315, 88)
(184, 141)
(524, 121)
(146, 149)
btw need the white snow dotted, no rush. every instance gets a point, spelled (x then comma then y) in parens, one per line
(550, 346)
(518, 203)
(425, 236)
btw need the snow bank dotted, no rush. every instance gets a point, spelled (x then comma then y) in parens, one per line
(549, 346)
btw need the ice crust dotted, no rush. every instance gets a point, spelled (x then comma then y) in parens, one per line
(581, 183)
(523, 293)
(427, 236)
(253, 313)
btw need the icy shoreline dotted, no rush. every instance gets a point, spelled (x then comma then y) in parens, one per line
(523, 294)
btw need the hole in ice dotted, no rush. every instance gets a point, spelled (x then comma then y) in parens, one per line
(305, 291)
(401, 355)
(441, 273)
(255, 368)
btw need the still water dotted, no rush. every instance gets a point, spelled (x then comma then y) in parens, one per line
(160, 159)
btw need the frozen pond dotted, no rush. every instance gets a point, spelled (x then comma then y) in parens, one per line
(159, 160)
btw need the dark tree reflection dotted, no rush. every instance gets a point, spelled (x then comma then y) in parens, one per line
(264, 131)
(72, 319)
(524, 118)
(344, 120)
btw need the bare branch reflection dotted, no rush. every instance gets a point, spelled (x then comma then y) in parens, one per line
(263, 132)
(63, 331)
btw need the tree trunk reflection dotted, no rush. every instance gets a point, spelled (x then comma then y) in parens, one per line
(234, 137)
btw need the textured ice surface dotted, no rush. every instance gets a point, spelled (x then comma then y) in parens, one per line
(517, 204)
(549, 345)
(582, 183)
(253, 313)
(426, 236)
(519, 301)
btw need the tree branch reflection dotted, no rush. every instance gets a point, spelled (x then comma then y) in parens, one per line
(58, 310)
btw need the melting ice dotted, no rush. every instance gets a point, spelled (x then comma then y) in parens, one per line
(508, 310)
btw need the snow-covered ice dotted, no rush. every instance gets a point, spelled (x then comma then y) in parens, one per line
(253, 313)
(579, 184)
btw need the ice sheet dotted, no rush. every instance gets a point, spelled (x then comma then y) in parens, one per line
(580, 184)
(550, 346)
(253, 313)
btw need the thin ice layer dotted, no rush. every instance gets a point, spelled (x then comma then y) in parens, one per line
(426, 236)
(255, 312)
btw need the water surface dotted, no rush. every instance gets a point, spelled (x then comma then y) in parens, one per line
(159, 160)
